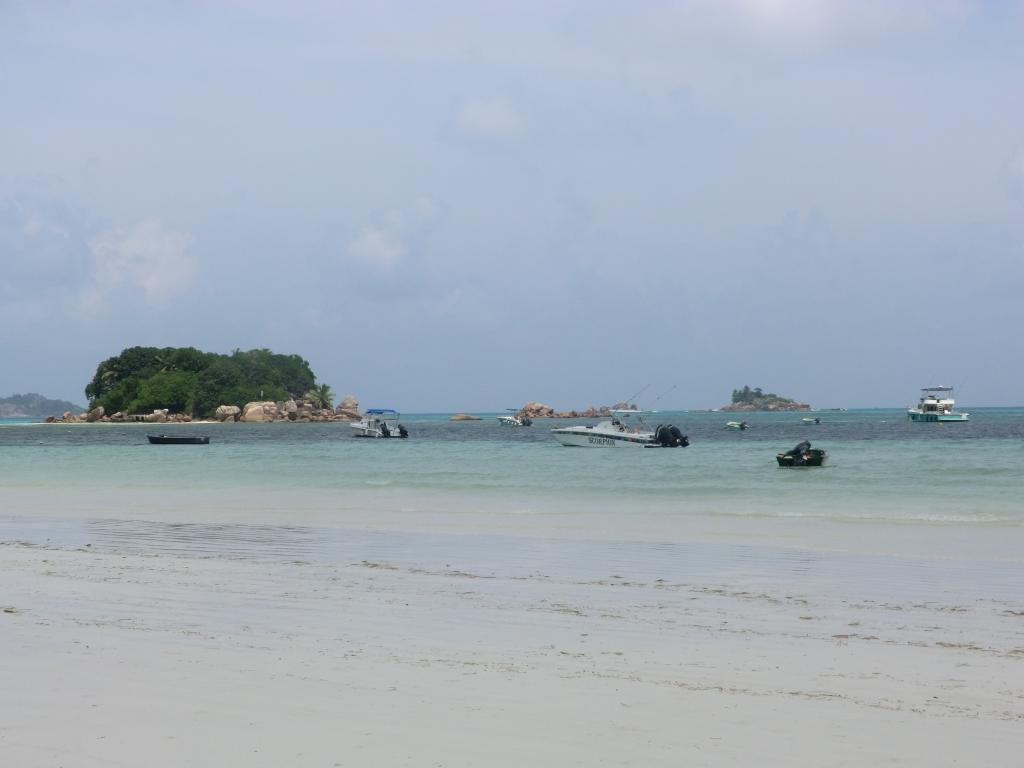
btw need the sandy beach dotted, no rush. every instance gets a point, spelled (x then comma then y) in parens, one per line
(141, 643)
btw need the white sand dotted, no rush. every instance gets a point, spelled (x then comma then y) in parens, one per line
(176, 659)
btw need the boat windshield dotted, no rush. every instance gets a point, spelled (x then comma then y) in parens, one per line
(631, 419)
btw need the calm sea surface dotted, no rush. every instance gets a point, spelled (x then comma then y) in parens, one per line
(881, 467)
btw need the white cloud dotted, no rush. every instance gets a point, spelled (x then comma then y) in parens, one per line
(146, 258)
(375, 247)
(491, 119)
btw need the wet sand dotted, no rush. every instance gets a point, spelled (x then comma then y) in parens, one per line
(142, 643)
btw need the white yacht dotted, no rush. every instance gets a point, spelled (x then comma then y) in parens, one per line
(379, 422)
(625, 429)
(513, 419)
(936, 404)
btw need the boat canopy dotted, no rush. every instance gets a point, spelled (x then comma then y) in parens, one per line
(936, 389)
(381, 411)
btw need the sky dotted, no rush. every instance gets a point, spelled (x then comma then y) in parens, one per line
(467, 205)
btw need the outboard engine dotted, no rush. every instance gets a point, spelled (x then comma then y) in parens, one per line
(527, 421)
(669, 436)
(681, 440)
(798, 452)
(801, 447)
(402, 431)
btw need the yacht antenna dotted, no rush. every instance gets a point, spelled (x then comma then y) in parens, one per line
(634, 397)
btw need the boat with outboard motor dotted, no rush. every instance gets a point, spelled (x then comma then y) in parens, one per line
(802, 456)
(178, 439)
(514, 419)
(379, 422)
(625, 429)
(936, 404)
(740, 425)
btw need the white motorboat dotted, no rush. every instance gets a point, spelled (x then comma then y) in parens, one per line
(741, 425)
(379, 422)
(936, 404)
(514, 419)
(625, 429)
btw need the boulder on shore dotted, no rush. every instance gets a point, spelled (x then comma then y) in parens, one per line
(227, 413)
(348, 409)
(265, 410)
(536, 410)
(95, 414)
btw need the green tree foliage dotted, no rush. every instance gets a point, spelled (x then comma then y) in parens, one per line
(320, 397)
(748, 396)
(187, 380)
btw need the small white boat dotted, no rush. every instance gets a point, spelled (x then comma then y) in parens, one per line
(811, 420)
(379, 422)
(936, 404)
(513, 419)
(625, 429)
(741, 425)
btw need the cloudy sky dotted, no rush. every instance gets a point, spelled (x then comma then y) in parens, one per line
(465, 205)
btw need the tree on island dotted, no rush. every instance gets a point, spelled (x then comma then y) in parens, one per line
(755, 399)
(190, 381)
(320, 397)
(750, 396)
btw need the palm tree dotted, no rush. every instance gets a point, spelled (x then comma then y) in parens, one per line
(320, 397)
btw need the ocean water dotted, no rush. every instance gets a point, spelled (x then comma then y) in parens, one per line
(881, 468)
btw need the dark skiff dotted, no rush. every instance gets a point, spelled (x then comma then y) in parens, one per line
(177, 440)
(812, 457)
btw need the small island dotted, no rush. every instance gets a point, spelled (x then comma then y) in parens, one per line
(181, 384)
(32, 404)
(748, 399)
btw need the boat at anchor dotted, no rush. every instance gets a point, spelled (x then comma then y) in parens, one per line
(802, 456)
(379, 422)
(936, 404)
(515, 418)
(625, 429)
(178, 440)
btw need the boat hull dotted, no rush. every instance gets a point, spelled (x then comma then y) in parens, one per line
(512, 421)
(930, 417)
(378, 435)
(809, 458)
(589, 439)
(177, 440)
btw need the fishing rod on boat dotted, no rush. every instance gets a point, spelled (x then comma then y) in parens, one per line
(635, 396)
(665, 392)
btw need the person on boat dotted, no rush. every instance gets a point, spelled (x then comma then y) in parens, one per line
(799, 453)
(384, 431)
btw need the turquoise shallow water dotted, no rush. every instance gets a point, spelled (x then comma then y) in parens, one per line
(881, 467)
